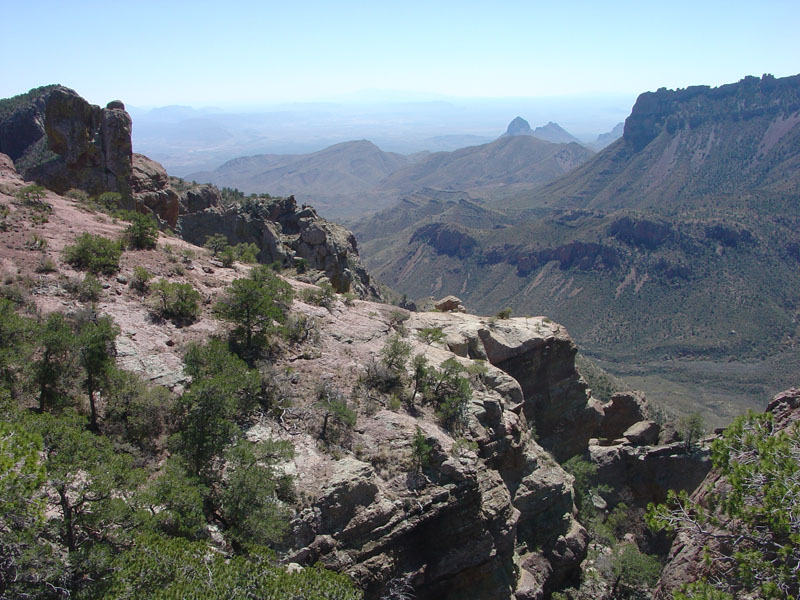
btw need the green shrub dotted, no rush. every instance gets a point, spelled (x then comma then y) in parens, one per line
(36, 243)
(450, 392)
(31, 195)
(179, 302)
(301, 265)
(140, 279)
(94, 253)
(248, 253)
(299, 329)
(136, 411)
(109, 201)
(227, 257)
(253, 305)
(431, 335)
(504, 314)
(421, 450)
(175, 568)
(216, 243)
(338, 418)
(691, 430)
(4, 212)
(395, 353)
(76, 194)
(142, 233)
(46, 265)
(89, 289)
(320, 296)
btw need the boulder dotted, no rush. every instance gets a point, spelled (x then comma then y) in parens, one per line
(623, 410)
(643, 433)
(449, 304)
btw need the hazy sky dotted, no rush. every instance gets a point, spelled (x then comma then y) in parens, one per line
(232, 52)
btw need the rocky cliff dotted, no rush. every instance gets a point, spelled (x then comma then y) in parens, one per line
(689, 108)
(58, 139)
(495, 520)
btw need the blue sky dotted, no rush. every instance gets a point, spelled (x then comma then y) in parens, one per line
(249, 53)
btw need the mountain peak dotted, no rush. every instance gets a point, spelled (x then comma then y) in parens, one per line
(519, 126)
(553, 132)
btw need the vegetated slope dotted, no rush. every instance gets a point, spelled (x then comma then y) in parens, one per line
(671, 253)
(308, 431)
(338, 174)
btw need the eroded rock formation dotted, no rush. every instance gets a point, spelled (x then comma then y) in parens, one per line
(61, 141)
(283, 232)
(496, 521)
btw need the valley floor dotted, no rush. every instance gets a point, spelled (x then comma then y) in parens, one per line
(719, 391)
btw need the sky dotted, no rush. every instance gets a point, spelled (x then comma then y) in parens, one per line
(240, 53)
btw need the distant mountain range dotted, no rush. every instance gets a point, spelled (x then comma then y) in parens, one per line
(336, 178)
(191, 139)
(355, 178)
(672, 255)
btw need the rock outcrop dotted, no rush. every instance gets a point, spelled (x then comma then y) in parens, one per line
(495, 520)
(449, 304)
(150, 188)
(283, 232)
(58, 139)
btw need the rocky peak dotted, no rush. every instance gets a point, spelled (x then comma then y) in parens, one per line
(553, 132)
(518, 126)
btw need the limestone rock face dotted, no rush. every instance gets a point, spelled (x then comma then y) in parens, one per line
(150, 188)
(61, 141)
